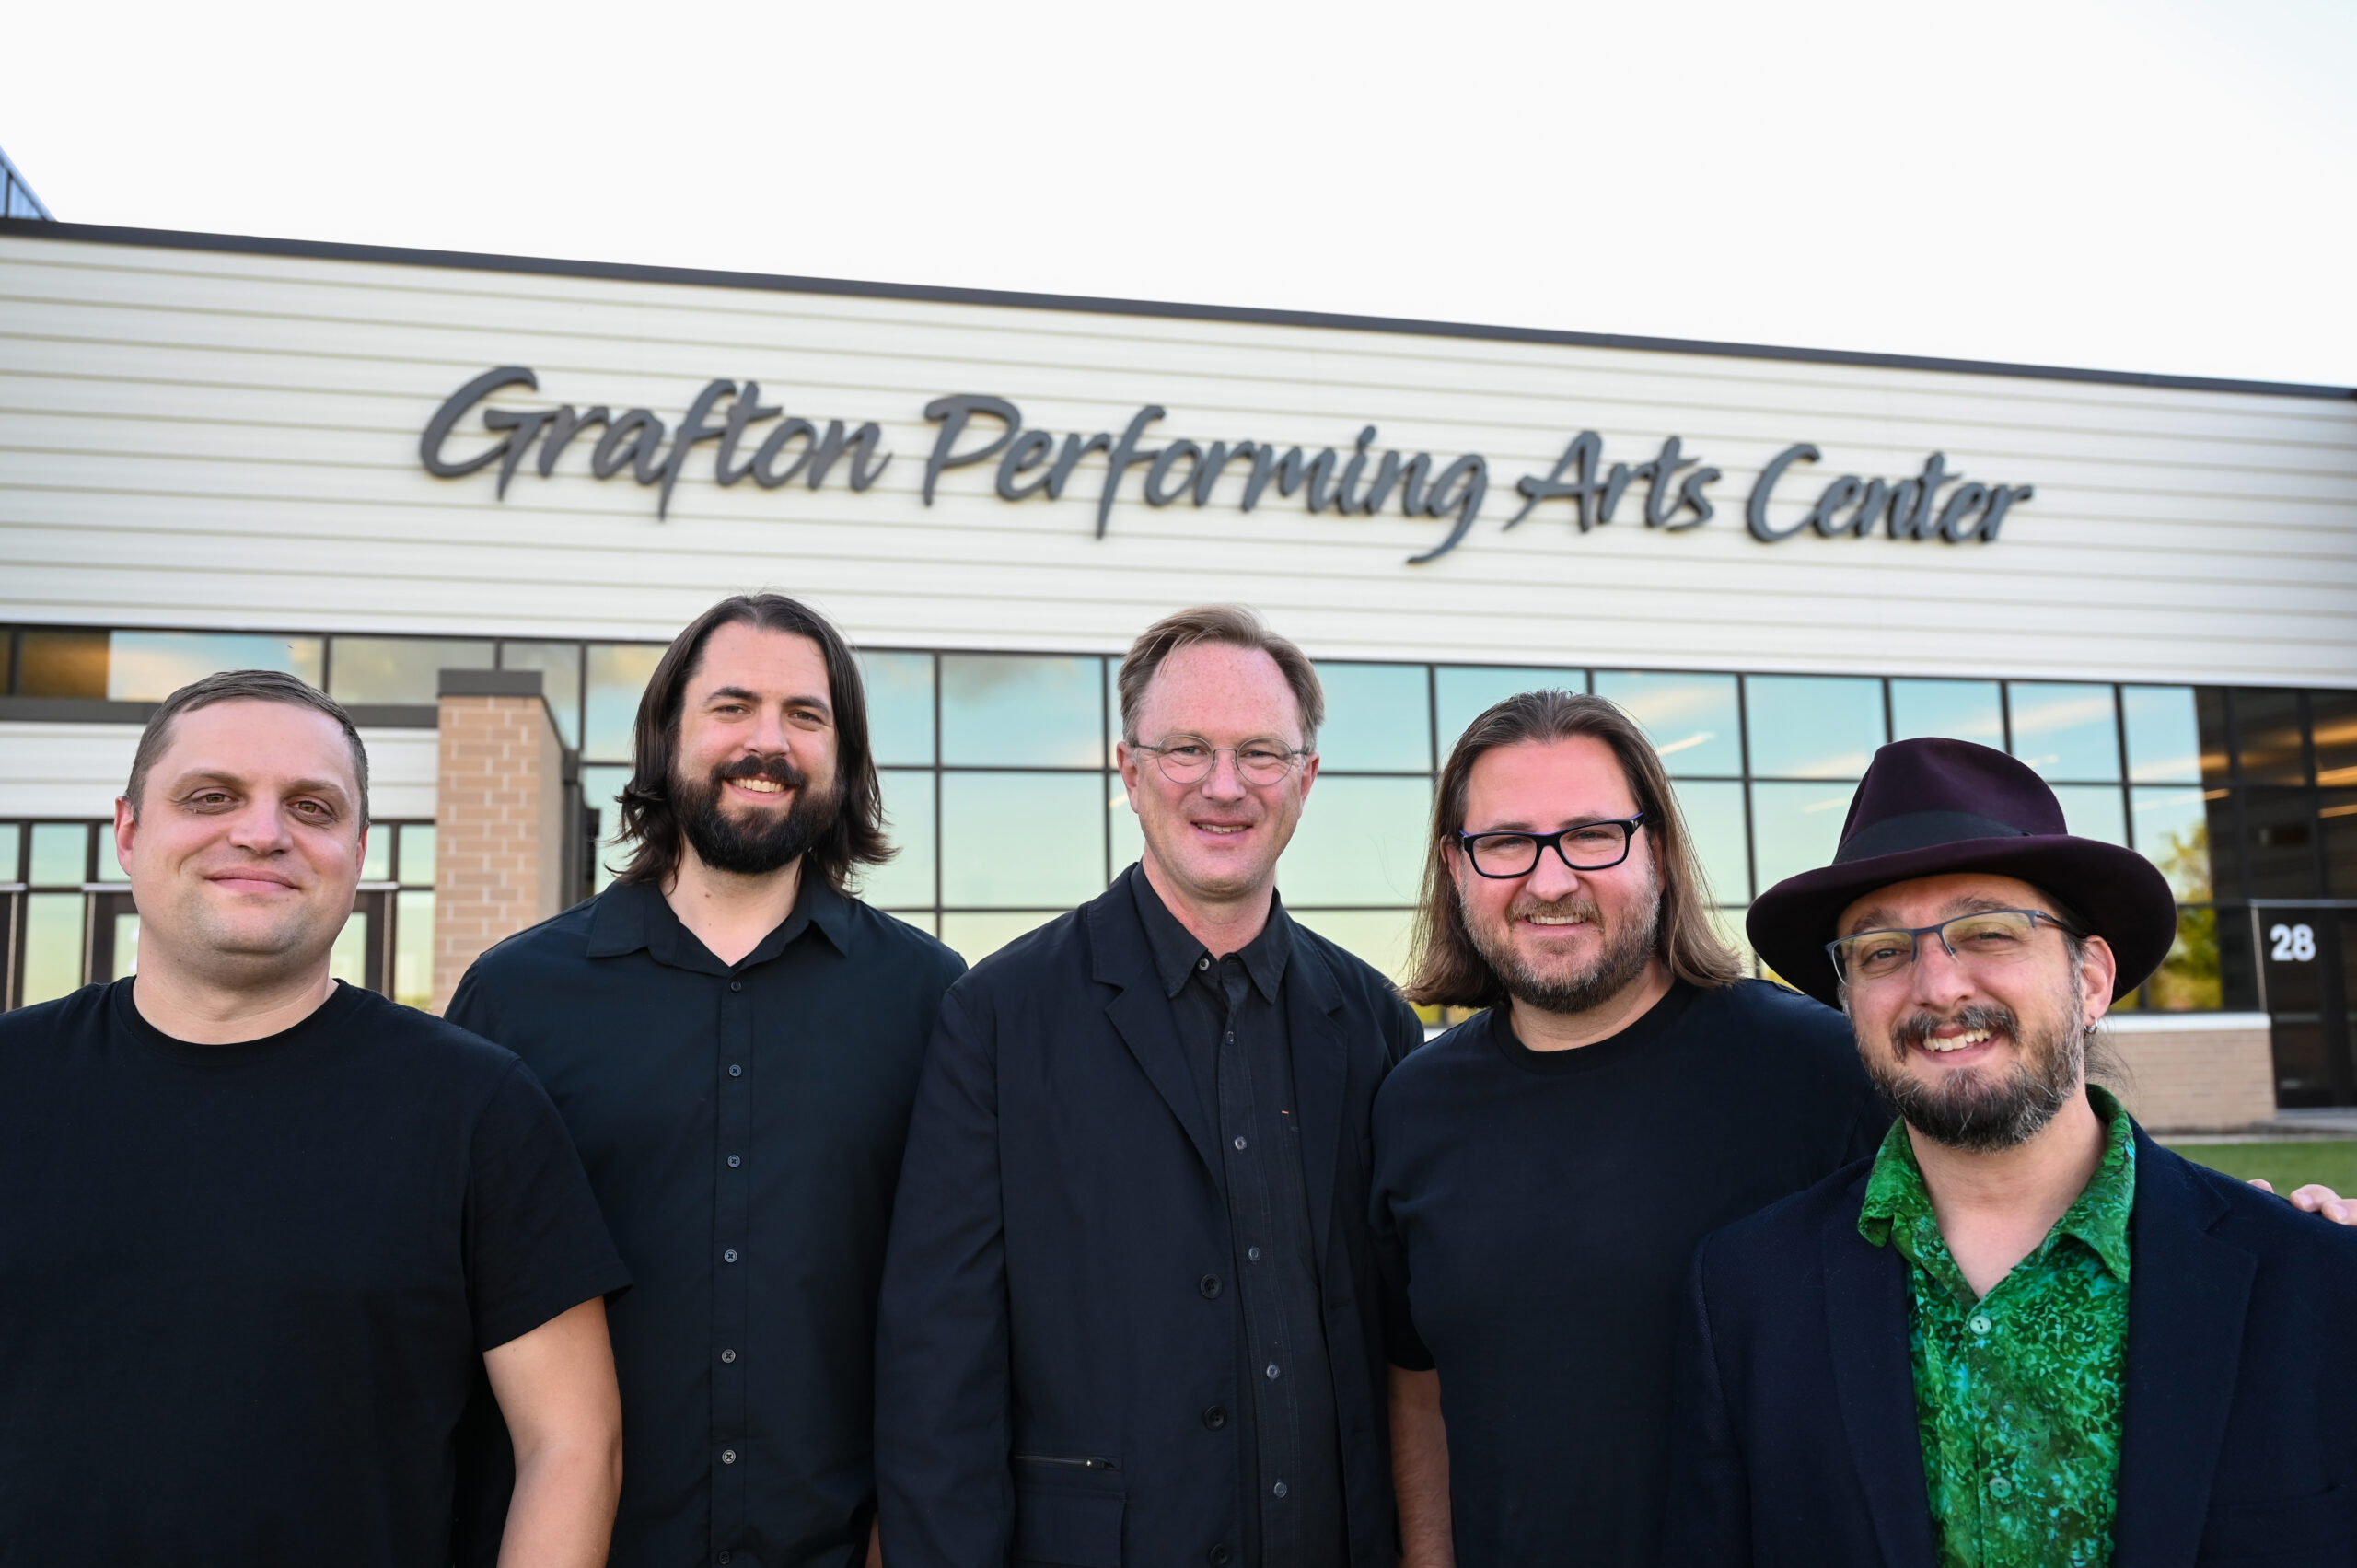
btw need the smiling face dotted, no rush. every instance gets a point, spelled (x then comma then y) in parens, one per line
(753, 775)
(244, 849)
(1216, 842)
(1562, 941)
(1978, 1050)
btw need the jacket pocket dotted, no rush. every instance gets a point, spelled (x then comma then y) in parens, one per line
(1068, 1510)
(2289, 1532)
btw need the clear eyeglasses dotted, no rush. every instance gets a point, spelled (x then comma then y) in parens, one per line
(1991, 938)
(1189, 758)
(1587, 847)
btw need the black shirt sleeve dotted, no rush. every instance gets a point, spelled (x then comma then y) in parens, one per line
(536, 1244)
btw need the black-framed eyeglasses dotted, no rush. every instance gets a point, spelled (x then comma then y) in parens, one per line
(1988, 938)
(1189, 758)
(1588, 846)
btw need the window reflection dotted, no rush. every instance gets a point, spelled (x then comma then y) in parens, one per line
(148, 666)
(2064, 730)
(61, 855)
(1961, 710)
(1377, 718)
(2164, 734)
(602, 791)
(2093, 811)
(414, 949)
(376, 857)
(2268, 725)
(1379, 936)
(906, 881)
(1795, 827)
(618, 675)
(1464, 692)
(416, 860)
(52, 946)
(1129, 837)
(975, 934)
(1713, 813)
(560, 667)
(2281, 847)
(2171, 828)
(1689, 718)
(2332, 724)
(899, 706)
(1813, 727)
(62, 663)
(1022, 710)
(1008, 839)
(400, 670)
(1361, 842)
(2337, 816)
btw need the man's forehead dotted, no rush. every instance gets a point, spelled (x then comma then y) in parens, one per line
(1205, 687)
(1924, 899)
(258, 743)
(1576, 777)
(741, 656)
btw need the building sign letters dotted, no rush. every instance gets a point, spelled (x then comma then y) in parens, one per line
(1669, 491)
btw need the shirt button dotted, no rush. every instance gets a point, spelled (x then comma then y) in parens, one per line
(2000, 1487)
(1221, 1556)
(1202, 963)
(1272, 1372)
(1215, 1417)
(735, 985)
(1253, 1253)
(736, 1070)
(729, 1255)
(1279, 1489)
(734, 1162)
(723, 1557)
(1239, 1142)
(728, 1455)
(728, 1356)
(1979, 1323)
(1209, 1285)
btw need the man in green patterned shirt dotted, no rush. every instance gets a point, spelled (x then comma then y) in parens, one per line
(2023, 1334)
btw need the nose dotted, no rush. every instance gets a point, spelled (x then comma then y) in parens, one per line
(1551, 878)
(1937, 980)
(259, 827)
(1225, 781)
(770, 734)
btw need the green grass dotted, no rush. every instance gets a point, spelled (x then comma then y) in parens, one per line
(2290, 1164)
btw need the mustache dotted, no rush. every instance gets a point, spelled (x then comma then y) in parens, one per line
(1572, 906)
(776, 767)
(1917, 1027)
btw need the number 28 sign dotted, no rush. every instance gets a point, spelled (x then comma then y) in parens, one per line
(2293, 944)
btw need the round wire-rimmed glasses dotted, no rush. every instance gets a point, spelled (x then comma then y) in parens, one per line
(1189, 758)
(1986, 938)
(1585, 846)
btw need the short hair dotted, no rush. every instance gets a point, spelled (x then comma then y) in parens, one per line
(241, 686)
(1449, 970)
(647, 816)
(1224, 625)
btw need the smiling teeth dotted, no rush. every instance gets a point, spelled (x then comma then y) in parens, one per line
(1969, 1037)
(1554, 919)
(766, 787)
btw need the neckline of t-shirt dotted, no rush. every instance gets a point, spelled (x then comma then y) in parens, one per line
(1659, 1020)
(237, 1053)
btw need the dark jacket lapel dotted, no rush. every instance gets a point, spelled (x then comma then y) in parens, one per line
(1140, 1013)
(1874, 1376)
(1320, 1075)
(2187, 1294)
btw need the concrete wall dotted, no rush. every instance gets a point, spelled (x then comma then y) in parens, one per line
(2195, 1071)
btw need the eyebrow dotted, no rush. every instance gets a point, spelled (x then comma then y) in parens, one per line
(1881, 919)
(200, 777)
(1588, 820)
(744, 695)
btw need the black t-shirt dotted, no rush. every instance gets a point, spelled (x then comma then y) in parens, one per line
(244, 1288)
(1536, 1213)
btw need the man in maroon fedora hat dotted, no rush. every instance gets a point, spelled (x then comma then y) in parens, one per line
(2023, 1332)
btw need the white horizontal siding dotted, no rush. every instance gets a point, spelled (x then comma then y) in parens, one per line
(204, 439)
(51, 770)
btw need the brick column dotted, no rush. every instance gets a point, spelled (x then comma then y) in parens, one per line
(498, 816)
(2196, 1072)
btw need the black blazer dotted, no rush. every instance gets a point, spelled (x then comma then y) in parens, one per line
(1795, 1425)
(1049, 1355)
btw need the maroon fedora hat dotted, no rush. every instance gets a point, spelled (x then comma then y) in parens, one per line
(1930, 807)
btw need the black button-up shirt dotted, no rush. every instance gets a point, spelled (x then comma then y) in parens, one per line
(1231, 1018)
(742, 1125)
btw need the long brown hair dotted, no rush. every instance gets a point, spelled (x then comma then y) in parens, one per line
(1449, 970)
(856, 837)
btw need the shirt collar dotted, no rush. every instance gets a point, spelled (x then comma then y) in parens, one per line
(1177, 952)
(1898, 1204)
(631, 915)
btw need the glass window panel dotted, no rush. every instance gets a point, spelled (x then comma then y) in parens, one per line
(2337, 817)
(974, 936)
(602, 791)
(983, 865)
(560, 667)
(414, 949)
(148, 666)
(1961, 710)
(61, 855)
(62, 663)
(1464, 693)
(2217, 746)
(2268, 724)
(2093, 811)
(1795, 827)
(104, 860)
(12, 838)
(1379, 936)
(2164, 734)
(417, 855)
(1016, 709)
(348, 959)
(2171, 827)
(2192, 977)
(900, 707)
(1813, 727)
(1379, 718)
(1129, 836)
(2332, 723)
(52, 946)
(400, 670)
(126, 945)
(1713, 813)
(905, 881)
(376, 857)
(1689, 718)
(2064, 730)
(1360, 841)
(2281, 847)
(618, 675)
(923, 920)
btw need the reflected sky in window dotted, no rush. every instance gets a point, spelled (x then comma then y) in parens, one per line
(1377, 718)
(906, 881)
(1713, 813)
(899, 706)
(1689, 718)
(2065, 731)
(2093, 811)
(1022, 710)
(1361, 842)
(1016, 840)
(560, 667)
(1813, 727)
(618, 677)
(2164, 734)
(148, 666)
(1961, 710)
(405, 670)
(1464, 692)
(1796, 827)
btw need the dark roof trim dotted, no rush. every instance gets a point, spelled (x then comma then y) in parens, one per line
(101, 234)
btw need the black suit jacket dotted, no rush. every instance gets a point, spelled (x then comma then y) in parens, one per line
(1795, 1425)
(1051, 1344)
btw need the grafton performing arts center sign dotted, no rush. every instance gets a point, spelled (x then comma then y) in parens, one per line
(748, 439)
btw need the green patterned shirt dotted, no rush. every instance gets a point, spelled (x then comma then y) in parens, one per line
(2017, 1393)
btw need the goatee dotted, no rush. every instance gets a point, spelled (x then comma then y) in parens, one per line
(761, 842)
(1613, 971)
(1980, 1112)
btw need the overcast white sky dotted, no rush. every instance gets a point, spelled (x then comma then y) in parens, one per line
(2165, 185)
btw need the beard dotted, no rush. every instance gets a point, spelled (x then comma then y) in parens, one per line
(1626, 953)
(762, 843)
(1981, 1112)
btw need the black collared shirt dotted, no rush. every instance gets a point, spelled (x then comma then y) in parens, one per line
(1231, 1018)
(742, 1126)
